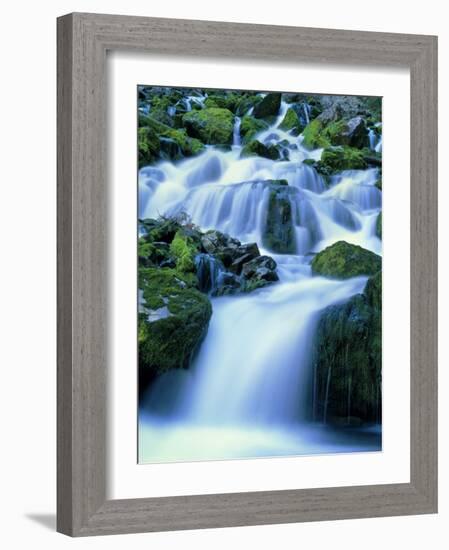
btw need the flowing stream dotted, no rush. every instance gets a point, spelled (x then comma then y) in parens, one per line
(248, 391)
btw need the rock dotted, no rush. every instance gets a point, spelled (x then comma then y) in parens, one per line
(279, 231)
(162, 230)
(256, 148)
(336, 159)
(269, 106)
(348, 360)
(354, 134)
(344, 260)
(211, 125)
(228, 283)
(258, 273)
(250, 127)
(214, 241)
(153, 253)
(291, 122)
(173, 320)
(379, 225)
(150, 134)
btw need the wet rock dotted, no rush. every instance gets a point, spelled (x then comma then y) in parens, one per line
(269, 106)
(173, 320)
(344, 260)
(211, 125)
(279, 231)
(347, 360)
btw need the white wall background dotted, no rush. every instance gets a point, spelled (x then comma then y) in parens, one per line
(27, 299)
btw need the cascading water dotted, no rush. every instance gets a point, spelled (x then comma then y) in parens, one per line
(246, 394)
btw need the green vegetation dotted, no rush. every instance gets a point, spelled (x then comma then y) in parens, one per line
(291, 122)
(345, 260)
(251, 126)
(256, 148)
(212, 125)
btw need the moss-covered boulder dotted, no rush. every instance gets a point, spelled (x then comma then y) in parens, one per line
(269, 106)
(250, 127)
(336, 159)
(158, 141)
(379, 225)
(212, 125)
(291, 122)
(279, 230)
(257, 149)
(344, 260)
(348, 359)
(173, 320)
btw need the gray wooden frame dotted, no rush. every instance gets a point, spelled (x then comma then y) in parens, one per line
(83, 40)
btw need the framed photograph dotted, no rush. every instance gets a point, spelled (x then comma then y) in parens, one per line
(247, 281)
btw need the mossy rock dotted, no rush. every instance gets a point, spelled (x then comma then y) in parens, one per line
(279, 231)
(173, 320)
(344, 260)
(291, 122)
(256, 148)
(152, 132)
(336, 159)
(313, 137)
(148, 145)
(348, 359)
(183, 250)
(247, 102)
(250, 127)
(269, 106)
(211, 125)
(379, 225)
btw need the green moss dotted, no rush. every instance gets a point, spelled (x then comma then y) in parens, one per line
(337, 159)
(313, 137)
(154, 129)
(170, 341)
(291, 122)
(269, 106)
(250, 127)
(149, 146)
(211, 125)
(345, 260)
(256, 148)
(183, 250)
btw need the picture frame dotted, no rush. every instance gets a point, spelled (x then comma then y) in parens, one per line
(83, 41)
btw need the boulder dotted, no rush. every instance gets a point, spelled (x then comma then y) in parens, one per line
(344, 260)
(348, 360)
(212, 125)
(258, 273)
(173, 320)
(291, 122)
(269, 106)
(256, 148)
(279, 230)
(250, 127)
(336, 159)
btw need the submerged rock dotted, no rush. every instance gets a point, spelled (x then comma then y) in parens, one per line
(345, 260)
(348, 359)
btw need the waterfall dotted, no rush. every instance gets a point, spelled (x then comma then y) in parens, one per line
(248, 388)
(236, 141)
(306, 108)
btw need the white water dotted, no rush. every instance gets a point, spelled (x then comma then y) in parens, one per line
(248, 391)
